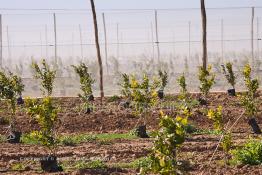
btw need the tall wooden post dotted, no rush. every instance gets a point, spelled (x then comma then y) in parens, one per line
(189, 40)
(252, 37)
(41, 45)
(204, 31)
(98, 51)
(258, 30)
(222, 40)
(8, 44)
(1, 43)
(157, 39)
(105, 35)
(55, 37)
(117, 40)
(81, 41)
(46, 42)
(152, 40)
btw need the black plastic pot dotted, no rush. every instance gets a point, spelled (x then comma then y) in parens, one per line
(91, 97)
(14, 137)
(49, 164)
(141, 131)
(88, 110)
(160, 94)
(125, 104)
(254, 125)
(231, 92)
(202, 101)
(20, 100)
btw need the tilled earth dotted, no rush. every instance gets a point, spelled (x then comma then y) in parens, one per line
(195, 154)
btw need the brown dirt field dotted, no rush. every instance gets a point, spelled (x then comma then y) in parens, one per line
(195, 152)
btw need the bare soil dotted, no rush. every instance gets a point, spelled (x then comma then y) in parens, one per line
(113, 118)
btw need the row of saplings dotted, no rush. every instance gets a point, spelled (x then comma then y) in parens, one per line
(43, 111)
(141, 97)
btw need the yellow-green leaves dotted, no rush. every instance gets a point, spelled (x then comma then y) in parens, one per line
(169, 137)
(86, 83)
(207, 80)
(142, 93)
(163, 76)
(217, 117)
(44, 112)
(229, 73)
(249, 100)
(46, 75)
(11, 87)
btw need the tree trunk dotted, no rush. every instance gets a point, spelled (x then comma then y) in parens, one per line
(98, 51)
(204, 28)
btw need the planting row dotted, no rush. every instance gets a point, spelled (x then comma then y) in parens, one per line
(140, 96)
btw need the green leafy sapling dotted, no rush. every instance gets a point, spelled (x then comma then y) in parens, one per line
(125, 86)
(207, 80)
(142, 94)
(226, 144)
(168, 139)
(229, 74)
(46, 75)
(11, 87)
(45, 113)
(163, 76)
(249, 99)
(86, 83)
(217, 117)
(183, 87)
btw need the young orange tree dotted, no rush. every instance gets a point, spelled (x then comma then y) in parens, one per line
(11, 88)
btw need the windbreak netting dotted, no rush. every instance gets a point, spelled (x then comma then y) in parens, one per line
(132, 45)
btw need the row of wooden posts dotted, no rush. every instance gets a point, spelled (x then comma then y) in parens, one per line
(204, 43)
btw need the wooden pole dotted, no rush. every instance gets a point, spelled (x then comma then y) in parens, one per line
(98, 51)
(152, 40)
(252, 37)
(204, 31)
(73, 48)
(117, 39)
(46, 42)
(174, 44)
(41, 44)
(81, 41)
(55, 37)
(8, 43)
(258, 30)
(105, 35)
(222, 40)
(157, 39)
(1, 43)
(189, 40)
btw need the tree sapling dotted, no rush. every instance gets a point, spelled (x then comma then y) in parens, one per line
(230, 76)
(86, 83)
(11, 87)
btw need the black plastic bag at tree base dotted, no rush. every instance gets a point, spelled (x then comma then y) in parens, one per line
(202, 101)
(141, 131)
(231, 92)
(14, 137)
(91, 97)
(49, 164)
(88, 110)
(160, 94)
(254, 125)
(20, 100)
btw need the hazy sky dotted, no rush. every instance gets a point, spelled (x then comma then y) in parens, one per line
(28, 28)
(104, 4)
